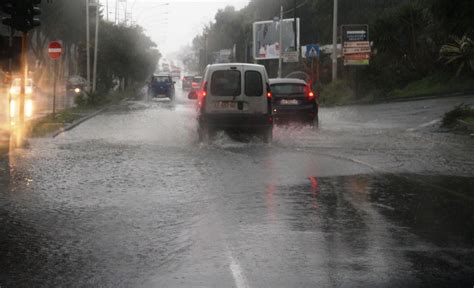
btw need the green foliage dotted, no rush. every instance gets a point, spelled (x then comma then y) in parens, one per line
(459, 53)
(460, 112)
(125, 53)
(434, 84)
(337, 92)
(81, 99)
(407, 36)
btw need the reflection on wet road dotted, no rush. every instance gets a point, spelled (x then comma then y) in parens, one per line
(131, 199)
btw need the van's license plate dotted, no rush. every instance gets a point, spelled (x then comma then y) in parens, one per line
(289, 102)
(225, 105)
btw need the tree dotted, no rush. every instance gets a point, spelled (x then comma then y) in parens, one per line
(459, 53)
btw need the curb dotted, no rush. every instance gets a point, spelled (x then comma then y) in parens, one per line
(405, 99)
(85, 118)
(78, 122)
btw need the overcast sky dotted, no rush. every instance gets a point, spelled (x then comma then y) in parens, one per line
(171, 24)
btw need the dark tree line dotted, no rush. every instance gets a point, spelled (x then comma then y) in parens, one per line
(407, 34)
(125, 52)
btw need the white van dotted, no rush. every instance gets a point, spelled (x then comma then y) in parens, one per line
(235, 97)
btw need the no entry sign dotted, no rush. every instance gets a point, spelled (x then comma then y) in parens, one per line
(55, 49)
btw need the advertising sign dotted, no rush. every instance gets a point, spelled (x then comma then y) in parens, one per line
(290, 57)
(356, 46)
(266, 35)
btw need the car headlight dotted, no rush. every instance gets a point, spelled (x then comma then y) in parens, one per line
(29, 108)
(29, 90)
(77, 90)
(12, 108)
(15, 90)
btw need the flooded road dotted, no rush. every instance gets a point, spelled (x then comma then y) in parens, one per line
(375, 198)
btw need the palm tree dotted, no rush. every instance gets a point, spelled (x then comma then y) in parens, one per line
(460, 52)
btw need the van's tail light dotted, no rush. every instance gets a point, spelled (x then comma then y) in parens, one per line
(202, 95)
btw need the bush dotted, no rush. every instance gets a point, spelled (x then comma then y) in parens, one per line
(337, 92)
(81, 99)
(460, 112)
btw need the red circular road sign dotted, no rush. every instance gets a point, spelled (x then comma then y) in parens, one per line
(55, 49)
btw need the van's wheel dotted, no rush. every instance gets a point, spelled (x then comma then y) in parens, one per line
(267, 135)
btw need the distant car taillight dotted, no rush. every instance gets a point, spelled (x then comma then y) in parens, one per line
(309, 94)
(269, 92)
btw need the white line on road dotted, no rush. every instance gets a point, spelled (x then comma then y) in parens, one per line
(424, 125)
(239, 278)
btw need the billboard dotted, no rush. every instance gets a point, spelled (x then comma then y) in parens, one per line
(356, 46)
(266, 35)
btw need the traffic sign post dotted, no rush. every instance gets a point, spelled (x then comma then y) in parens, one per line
(313, 53)
(55, 50)
(355, 44)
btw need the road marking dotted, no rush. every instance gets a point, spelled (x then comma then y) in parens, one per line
(239, 278)
(424, 125)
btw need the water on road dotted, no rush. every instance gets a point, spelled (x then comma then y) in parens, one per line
(130, 198)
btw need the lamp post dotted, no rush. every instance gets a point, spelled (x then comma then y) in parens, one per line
(334, 43)
(280, 58)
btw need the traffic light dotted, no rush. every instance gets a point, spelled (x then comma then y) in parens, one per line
(22, 14)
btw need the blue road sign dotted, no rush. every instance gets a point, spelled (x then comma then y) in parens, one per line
(312, 51)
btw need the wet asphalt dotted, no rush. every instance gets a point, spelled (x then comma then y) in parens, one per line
(379, 196)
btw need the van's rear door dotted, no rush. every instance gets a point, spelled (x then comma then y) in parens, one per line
(254, 89)
(225, 90)
(239, 89)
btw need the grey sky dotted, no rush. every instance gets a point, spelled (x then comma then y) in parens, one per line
(174, 25)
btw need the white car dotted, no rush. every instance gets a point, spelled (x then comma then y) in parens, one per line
(234, 97)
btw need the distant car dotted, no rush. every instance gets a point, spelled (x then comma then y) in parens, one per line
(187, 82)
(76, 85)
(234, 97)
(293, 100)
(14, 99)
(161, 86)
(196, 82)
(176, 73)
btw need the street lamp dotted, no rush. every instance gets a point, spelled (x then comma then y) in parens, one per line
(334, 43)
(280, 27)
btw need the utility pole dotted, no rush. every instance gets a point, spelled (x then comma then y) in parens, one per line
(280, 58)
(295, 28)
(88, 52)
(334, 43)
(116, 12)
(107, 9)
(24, 77)
(125, 13)
(96, 46)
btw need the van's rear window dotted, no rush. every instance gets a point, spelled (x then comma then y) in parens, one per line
(253, 83)
(288, 89)
(226, 83)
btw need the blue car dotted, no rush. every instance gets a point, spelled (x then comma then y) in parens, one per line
(161, 86)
